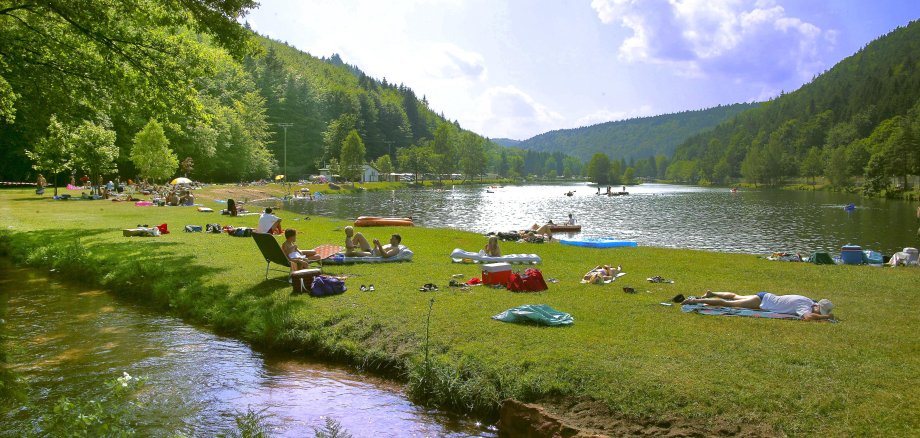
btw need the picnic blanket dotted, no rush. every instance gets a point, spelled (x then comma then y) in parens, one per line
(535, 313)
(734, 311)
(404, 255)
(460, 256)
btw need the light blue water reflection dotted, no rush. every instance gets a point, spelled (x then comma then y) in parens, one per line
(750, 221)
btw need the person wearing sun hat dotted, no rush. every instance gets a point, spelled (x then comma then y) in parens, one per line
(799, 305)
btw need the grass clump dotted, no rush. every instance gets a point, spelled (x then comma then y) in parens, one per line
(638, 358)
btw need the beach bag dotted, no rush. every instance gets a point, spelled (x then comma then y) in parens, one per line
(213, 228)
(530, 280)
(193, 228)
(324, 285)
(302, 280)
(163, 229)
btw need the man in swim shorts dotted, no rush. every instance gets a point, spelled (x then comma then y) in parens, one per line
(804, 307)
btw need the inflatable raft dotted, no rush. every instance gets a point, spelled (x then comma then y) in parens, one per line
(562, 228)
(598, 242)
(376, 221)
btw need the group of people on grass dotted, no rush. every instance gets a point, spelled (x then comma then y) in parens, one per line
(356, 245)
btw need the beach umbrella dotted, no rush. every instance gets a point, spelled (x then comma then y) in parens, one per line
(181, 180)
(279, 177)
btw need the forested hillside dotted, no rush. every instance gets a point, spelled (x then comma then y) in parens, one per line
(859, 119)
(633, 139)
(78, 85)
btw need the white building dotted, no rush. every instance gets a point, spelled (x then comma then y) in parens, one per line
(369, 173)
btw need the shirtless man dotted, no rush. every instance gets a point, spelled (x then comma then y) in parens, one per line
(804, 307)
(389, 250)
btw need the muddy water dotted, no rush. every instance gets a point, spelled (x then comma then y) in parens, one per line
(67, 341)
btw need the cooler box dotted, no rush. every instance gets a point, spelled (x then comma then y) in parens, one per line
(496, 273)
(852, 255)
(302, 280)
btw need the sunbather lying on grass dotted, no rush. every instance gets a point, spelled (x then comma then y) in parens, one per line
(601, 274)
(804, 307)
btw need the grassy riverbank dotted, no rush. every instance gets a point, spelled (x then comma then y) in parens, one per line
(626, 352)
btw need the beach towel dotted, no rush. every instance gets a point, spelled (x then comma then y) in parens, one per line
(326, 251)
(460, 256)
(535, 313)
(404, 255)
(141, 232)
(734, 311)
(205, 209)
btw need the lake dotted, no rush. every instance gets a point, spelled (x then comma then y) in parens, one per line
(754, 221)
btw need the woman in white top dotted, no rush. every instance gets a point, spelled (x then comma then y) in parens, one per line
(804, 307)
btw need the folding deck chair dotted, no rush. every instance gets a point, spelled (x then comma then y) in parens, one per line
(272, 252)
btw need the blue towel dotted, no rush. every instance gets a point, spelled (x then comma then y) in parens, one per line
(735, 311)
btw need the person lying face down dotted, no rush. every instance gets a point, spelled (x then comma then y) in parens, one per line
(804, 307)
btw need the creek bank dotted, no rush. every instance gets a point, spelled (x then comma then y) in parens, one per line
(584, 418)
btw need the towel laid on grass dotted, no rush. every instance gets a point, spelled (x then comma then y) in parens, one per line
(735, 311)
(404, 255)
(458, 255)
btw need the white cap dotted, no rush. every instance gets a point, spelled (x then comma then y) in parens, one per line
(825, 306)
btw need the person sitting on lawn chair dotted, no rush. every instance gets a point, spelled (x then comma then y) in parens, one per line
(804, 307)
(300, 257)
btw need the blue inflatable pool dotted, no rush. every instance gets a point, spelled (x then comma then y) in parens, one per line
(598, 242)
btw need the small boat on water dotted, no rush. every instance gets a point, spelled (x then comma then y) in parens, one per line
(377, 221)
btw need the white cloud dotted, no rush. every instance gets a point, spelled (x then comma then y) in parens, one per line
(509, 111)
(447, 61)
(605, 115)
(753, 40)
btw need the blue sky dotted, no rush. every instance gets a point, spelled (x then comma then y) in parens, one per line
(520, 68)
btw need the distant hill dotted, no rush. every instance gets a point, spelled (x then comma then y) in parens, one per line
(634, 138)
(506, 142)
(860, 118)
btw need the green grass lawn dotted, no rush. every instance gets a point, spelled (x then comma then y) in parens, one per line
(642, 359)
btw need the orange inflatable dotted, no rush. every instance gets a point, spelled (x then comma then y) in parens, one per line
(376, 221)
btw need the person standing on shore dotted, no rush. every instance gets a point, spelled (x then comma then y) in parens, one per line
(41, 183)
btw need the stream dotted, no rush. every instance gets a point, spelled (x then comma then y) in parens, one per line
(67, 340)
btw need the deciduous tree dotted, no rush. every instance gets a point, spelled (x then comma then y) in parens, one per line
(151, 155)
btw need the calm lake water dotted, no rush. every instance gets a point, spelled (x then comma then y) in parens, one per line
(750, 221)
(68, 341)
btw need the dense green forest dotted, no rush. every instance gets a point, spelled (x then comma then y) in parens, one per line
(858, 121)
(631, 139)
(134, 88)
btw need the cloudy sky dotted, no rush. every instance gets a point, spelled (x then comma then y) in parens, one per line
(522, 67)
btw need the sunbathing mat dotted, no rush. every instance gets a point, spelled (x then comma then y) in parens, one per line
(734, 311)
(460, 256)
(404, 255)
(326, 251)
